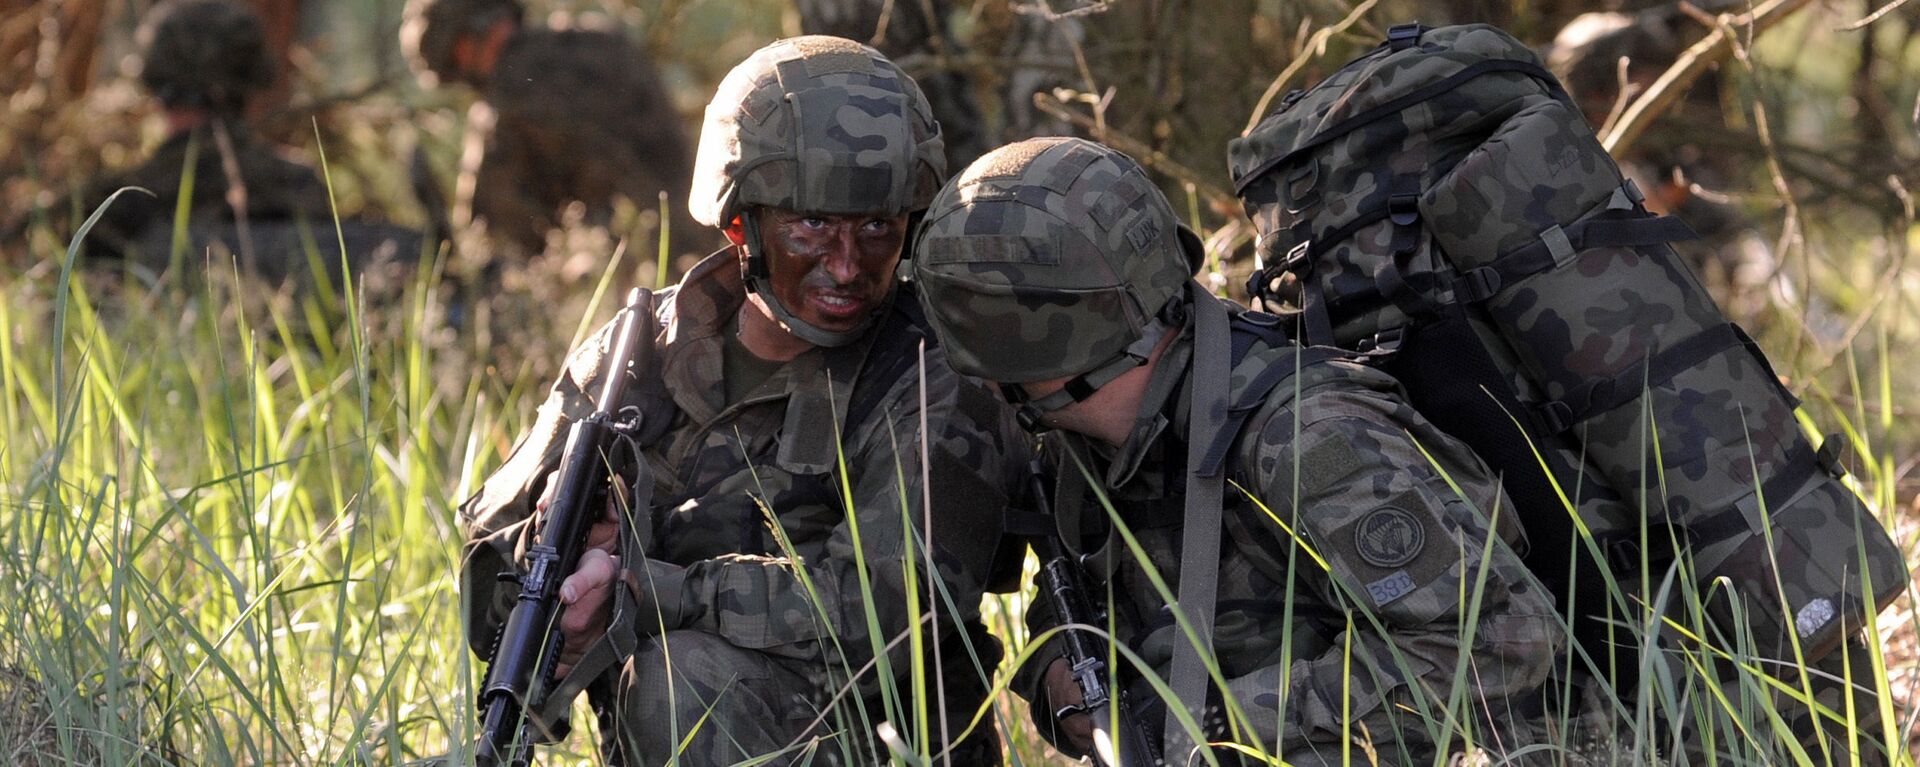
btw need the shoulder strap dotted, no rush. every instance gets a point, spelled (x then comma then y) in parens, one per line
(1200, 536)
(892, 354)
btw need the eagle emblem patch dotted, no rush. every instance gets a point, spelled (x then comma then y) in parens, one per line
(1388, 537)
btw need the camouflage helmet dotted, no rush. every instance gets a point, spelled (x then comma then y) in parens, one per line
(1049, 258)
(430, 30)
(204, 54)
(816, 124)
(819, 125)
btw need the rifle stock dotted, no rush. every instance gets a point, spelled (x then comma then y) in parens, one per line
(1119, 737)
(520, 672)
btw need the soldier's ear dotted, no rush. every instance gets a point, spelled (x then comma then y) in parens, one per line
(736, 233)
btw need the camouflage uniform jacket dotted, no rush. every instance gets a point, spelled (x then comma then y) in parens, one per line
(1383, 534)
(276, 189)
(728, 573)
(581, 115)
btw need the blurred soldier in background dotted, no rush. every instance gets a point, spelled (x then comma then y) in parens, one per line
(578, 115)
(203, 60)
(1670, 165)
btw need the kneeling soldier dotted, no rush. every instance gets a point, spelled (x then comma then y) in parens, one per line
(1366, 604)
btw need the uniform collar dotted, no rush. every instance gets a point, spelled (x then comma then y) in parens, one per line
(1160, 409)
(815, 386)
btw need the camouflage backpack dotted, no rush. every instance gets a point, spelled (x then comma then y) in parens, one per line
(1442, 206)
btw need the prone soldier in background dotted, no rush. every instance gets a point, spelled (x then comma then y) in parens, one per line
(818, 468)
(576, 115)
(1365, 601)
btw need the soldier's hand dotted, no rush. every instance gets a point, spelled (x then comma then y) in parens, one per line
(586, 597)
(1063, 694)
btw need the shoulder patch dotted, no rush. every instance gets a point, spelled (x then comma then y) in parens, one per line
(1388, 537)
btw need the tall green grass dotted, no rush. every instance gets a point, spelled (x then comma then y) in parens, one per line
(229, 534)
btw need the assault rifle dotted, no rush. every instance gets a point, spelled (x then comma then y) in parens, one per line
(520, 673)
(1064, 582)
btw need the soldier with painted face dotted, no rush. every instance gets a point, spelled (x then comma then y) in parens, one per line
(1365, 602)
(814, 456)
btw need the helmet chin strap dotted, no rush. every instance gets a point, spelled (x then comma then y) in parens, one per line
(760, 281)
(1029, 410)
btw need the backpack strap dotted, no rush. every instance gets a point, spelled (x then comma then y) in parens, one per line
(892, 354)
(1200, 535)
(1621, 224)
(1601, 395)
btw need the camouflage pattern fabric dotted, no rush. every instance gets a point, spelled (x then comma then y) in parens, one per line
(1342, 602)
(914, 34)
(1386, 564)
(711, 702)
(1732, 257)
(204, 54)
(750, 523)
(277, 189)
(1022, 290)
(820, 124)
(581, 115)
(1442, 201)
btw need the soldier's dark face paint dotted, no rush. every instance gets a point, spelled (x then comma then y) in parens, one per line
(831, 271)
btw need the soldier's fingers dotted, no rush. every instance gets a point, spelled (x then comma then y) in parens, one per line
(602, 535)
(547, 493)
(586, 615)
(1060, 685)
(594, 573)
(1079, 730)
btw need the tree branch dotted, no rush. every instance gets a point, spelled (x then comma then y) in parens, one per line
(1673, 83)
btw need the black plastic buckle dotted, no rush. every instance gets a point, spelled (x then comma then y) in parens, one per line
(1384, 342)
(1556, 416)
(1297, 256)
(1403, 36)
(1404, 209)
(1479, 284)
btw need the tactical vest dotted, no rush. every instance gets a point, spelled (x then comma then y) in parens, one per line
(1443, 207)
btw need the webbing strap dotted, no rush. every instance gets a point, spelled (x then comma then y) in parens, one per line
(1602, 395)
(1803, 466)
(1436, 88)
(1255, 393)
(1559, 244)
(1200, 538)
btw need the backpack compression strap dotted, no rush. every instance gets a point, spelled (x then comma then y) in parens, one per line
(1200, 535)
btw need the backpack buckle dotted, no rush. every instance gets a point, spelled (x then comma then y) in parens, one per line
(1297, 255)
(1479, 284)
(1403, 36)
(1556, 416)
(1404, 209)
(1384, 342)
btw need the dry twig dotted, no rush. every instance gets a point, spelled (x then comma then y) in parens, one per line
(1873, 17)
(1139, 150)
(1318, 47)
(1673, 83)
